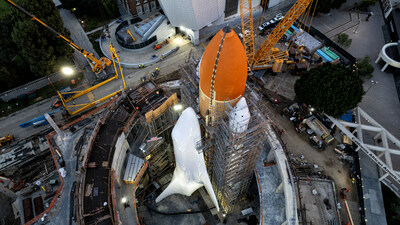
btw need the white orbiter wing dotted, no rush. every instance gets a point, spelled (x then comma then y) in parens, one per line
(190, 173)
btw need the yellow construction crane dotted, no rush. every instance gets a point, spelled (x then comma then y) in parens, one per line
(77, 94)
(97, 64)
(267, 56)
(133, 39)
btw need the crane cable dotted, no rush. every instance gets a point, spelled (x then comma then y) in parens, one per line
(312, 17)
(260, 18)
(304, 22)
(301, 22)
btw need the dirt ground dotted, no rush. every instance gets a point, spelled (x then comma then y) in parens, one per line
(6, 212)
(327, 160)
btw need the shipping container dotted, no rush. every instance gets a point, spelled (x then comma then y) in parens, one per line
(38, 202)
(28, 210)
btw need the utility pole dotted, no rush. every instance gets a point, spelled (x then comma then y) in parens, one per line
(373, 82)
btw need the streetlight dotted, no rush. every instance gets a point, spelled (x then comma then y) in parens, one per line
(124, 200)
(67, 70)
(178, 107)
(373, 82)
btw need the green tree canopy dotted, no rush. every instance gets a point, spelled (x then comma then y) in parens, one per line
(93, 8)
(331, 88)
(44, 52)
(343, 40)
(365, 68)
(325, 6)
(13, 69)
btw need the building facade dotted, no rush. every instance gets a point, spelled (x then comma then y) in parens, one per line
(139, 7)
(192, 15)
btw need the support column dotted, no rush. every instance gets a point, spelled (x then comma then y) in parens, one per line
(279, 189)
(271, 156)
(196, 39)
(383, 177)
(54, 125)
(379, 57)
(386, 65)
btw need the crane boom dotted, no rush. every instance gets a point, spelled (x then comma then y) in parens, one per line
(246, 16)
(96, 64)
(291, 16)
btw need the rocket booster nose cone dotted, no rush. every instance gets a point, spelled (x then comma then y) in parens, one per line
(223, 70)
(227, 29)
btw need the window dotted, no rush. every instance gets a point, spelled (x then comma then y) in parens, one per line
(146, 7)
(139, 9)
(137, 2)
(153, 5)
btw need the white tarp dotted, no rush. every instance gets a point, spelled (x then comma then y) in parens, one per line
(190, 172)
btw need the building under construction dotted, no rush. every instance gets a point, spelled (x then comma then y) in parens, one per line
(230, 157)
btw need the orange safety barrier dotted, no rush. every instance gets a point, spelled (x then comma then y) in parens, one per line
(261, 201)
(130, 121)
(113, 197)
(134, 190)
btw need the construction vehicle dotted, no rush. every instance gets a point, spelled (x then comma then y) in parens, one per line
(268, 56)
(97, 65)
(130, 34)
(319, 129)
(155, 72)
(6, 140)
(161, 44)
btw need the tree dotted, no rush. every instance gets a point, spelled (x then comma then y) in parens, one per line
(93, 8)
(325, 6)
(364, 4)
(343, 40)
(331, 88)
(37, 46)
(365, 68)
(13, 71)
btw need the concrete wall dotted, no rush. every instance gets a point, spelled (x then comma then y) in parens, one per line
(193, 14)
(119, 156)
(163, 31)
(283, 168)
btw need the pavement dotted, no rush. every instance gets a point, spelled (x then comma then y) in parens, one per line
(80, 38)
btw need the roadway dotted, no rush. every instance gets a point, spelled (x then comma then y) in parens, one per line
(9, 124)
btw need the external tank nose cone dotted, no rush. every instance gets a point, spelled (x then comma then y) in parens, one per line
(223, 71)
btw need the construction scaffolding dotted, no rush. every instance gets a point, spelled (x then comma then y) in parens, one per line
(230, 157)
(152, 134)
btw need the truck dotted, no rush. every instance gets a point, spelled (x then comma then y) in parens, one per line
(6, 140)
(319, 129)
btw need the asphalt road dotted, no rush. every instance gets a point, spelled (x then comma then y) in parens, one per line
(80, 38)
(9, 125)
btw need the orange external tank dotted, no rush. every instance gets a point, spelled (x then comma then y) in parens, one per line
(223, 73)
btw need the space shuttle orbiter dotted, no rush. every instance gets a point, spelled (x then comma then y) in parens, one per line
(190, 173)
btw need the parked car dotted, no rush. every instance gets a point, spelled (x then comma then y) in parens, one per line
(272, 23)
